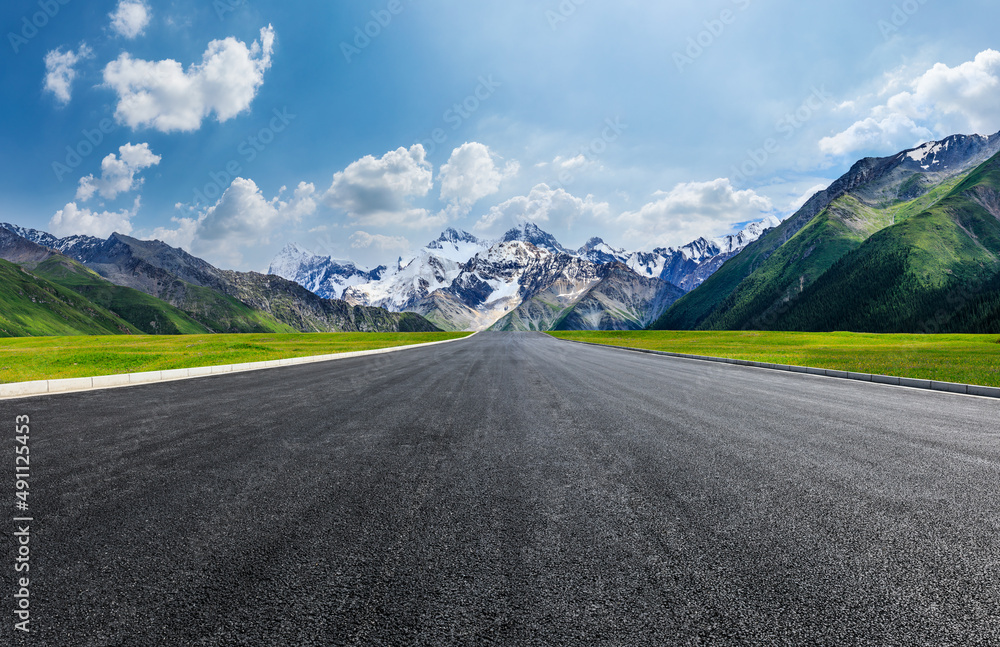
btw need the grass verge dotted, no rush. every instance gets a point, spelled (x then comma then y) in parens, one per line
(967, 359)
(24, 359)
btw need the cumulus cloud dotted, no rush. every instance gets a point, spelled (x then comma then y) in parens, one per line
(891, 131)
(118, 173)
(690, 210)
(163, 96)
(379, 191)
(243, 215)
(364, 240)
(130, 17)
(940, 102)
(470, 175)
(182, 235)
(60, 71)
(542, 204)
(242, 219)
(72, 220)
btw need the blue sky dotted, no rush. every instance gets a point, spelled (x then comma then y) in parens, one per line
(362, 129)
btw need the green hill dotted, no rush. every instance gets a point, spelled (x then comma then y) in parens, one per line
(938, 271)
(33, 306)
(148, 314)
(760, 300)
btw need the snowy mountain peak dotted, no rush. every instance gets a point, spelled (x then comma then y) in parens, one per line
(597, 251)
(322, 275)
(529, 232)
(451, 235)
(66, 245)
(952, 152)
(750, 233)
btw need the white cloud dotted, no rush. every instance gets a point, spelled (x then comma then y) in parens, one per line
(470, 175)
(72, 220)
(572, 163)
(691, 210)
(118, 174)
(161, 95)
(799, 202)
(60, 70)
(940, 102)
(181, 236)
(130, 18)
(379, 191)
(890, 133)
(242, 219)
(542, 204)
(364, 240)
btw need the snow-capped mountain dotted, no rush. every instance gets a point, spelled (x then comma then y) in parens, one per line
(433, 267)
(460, 281)
(322, 275)
(688, 266)
(498, 280)
(615, 299)
(596, 250)
(71, 245)
(955, 151)
(456, 245)
(529, 232)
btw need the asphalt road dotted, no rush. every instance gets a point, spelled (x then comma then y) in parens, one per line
(512, 490)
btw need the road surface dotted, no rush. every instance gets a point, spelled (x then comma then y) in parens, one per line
(512, 489)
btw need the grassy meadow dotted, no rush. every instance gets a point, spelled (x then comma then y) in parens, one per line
(45, 358)
(969, 359)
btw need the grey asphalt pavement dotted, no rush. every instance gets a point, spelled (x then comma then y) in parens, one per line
(511, 489)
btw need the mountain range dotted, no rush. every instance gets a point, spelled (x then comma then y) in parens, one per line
(524, 280)
(86, 285)
(905, 243)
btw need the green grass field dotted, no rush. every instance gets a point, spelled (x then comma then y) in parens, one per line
(969, 359)
(24, 359)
